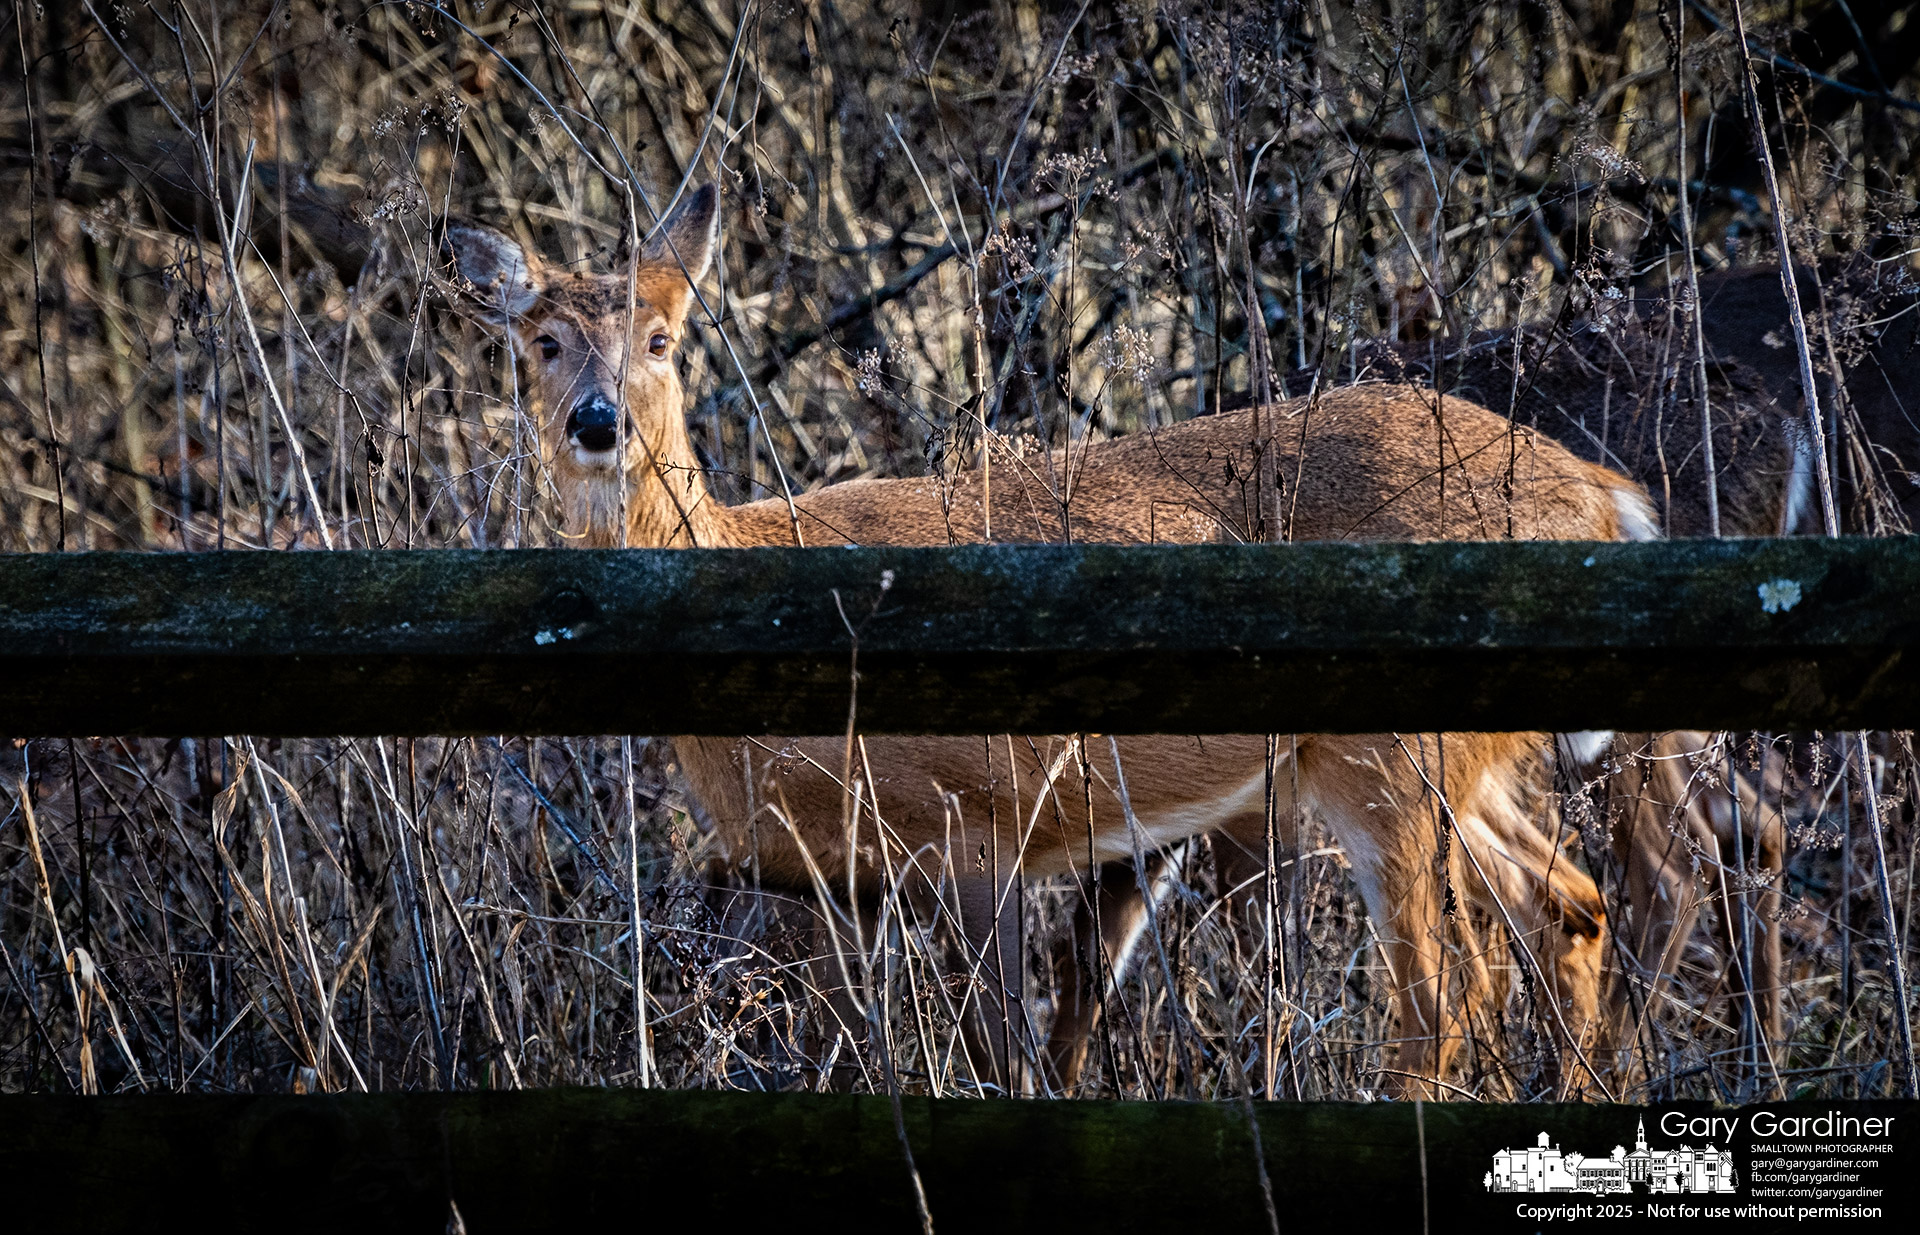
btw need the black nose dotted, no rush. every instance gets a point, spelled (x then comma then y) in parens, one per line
(593, 423)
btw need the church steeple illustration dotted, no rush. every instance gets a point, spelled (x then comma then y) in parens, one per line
(1545, 1167)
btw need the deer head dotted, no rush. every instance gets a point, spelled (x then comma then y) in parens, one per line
(598, 355)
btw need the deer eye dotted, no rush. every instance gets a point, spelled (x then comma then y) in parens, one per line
(659, 343)
(549, 346)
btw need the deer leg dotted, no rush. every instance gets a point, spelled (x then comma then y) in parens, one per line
(1408, 919)
(1123, 917)
(1394, 861)
(1762, 831)
(1519, 877)
(1496, 853)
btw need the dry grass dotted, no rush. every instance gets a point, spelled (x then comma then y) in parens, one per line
(1119, 187)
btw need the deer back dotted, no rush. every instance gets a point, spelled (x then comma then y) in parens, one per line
(1370, 462)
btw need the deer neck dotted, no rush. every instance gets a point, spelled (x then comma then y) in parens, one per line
(669, 505)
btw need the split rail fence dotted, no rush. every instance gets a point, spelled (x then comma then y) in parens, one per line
(1776, 635)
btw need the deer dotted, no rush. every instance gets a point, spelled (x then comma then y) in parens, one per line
(1417, 815)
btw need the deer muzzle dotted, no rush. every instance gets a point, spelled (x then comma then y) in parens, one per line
(594, 423)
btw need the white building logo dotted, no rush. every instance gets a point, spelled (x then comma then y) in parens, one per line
(1544, 1168)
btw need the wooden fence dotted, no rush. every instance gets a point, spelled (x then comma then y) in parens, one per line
(581, 1160)
(1766, 634)
(1771, 634)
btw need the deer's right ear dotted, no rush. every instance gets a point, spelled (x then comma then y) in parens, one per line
(493, 262)
(686, 238)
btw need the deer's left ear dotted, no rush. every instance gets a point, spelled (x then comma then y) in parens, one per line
(687, 237)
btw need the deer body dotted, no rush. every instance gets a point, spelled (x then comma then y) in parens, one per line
(1361, 474)
(1363, 463)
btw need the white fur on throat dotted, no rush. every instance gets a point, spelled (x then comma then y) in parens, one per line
(594, 509)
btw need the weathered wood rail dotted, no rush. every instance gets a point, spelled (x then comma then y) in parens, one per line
(1268, 638)
(596, 1159)
(1776, 634)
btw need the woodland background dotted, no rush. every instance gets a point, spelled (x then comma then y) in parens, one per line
(1028, 218)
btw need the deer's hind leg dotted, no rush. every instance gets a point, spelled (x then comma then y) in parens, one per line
(1428, 818)
(1361, 787)
(1523, 880)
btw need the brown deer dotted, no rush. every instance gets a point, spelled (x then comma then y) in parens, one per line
(1373, 462)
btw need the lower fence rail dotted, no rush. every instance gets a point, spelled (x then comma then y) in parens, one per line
(594, 1159)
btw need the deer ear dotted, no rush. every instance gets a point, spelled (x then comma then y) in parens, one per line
(499, 270)
(687, 237)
